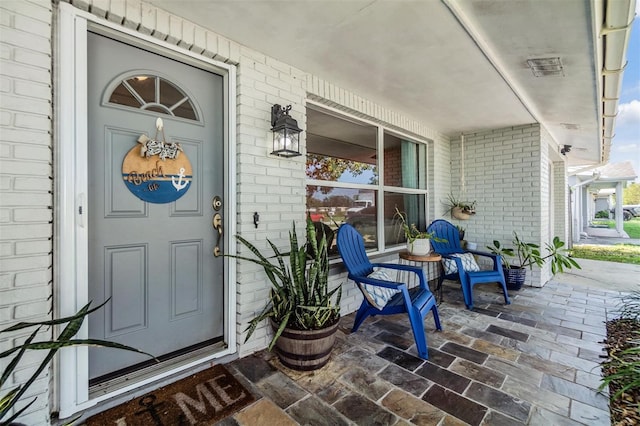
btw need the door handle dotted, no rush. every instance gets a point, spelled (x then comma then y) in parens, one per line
(217, 225)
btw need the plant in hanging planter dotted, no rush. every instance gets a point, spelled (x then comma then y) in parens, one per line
(301, 308)
(526, 255)
(417, 241)
(462, 210)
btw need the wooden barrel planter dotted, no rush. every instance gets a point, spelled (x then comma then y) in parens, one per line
(305, 350)
(514, 277)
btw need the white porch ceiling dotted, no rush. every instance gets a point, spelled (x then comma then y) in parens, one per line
(456, 65)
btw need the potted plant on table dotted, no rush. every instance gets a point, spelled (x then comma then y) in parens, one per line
(529, 254)
(417, 241)
(462, 210)
(301, 308)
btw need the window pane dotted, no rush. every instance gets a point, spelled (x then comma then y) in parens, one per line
(404, 163)
(171, 95)
(334, 206)
(144, 86)
(340, 150)
(412, 206)
(122, 96)
(155, 94)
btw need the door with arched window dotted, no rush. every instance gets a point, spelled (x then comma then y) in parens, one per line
(151, 219)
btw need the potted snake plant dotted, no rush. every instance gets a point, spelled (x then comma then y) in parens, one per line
(302, 310)
(526, 255)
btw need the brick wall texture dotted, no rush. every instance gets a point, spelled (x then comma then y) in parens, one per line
(26, 187)
(509, 173)
(505, 170)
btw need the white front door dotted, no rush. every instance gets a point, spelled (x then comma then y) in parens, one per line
(151, 239)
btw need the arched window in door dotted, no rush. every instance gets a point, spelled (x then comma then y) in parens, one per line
(151, 93)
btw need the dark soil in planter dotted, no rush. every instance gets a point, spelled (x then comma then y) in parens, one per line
(624, 410)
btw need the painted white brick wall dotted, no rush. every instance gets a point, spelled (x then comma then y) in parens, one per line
(546, 198)
(561, 201)
(26, 187)
(503, 172)
(272, 186)
(500, 165)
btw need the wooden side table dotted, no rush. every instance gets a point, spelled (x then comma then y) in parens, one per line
(434, 274)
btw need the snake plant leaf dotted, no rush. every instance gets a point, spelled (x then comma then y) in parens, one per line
(278, 333)
(11, 399)
(65, 339)
(81, 314)
(14, 362)
(6, 399)
(54, 344)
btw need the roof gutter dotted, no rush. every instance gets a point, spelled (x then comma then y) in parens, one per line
(595, 176)
(613, 40)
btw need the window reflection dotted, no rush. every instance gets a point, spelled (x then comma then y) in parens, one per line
(334, 206)
(344, 179)
(412, 206)
(403, 161)
(153, 93)
(340, 150)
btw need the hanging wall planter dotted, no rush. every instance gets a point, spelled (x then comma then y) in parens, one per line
(461, 210)
(460, 214)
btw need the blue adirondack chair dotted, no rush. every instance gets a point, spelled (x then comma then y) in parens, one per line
(447, 231)
(417, 301)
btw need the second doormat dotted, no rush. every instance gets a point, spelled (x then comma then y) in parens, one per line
(202, 398)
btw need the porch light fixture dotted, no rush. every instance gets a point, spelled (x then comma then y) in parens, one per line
(285, 132)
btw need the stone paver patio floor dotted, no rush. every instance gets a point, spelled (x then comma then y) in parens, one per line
(535, 361)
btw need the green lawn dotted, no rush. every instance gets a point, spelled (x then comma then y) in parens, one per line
(631, 227)
(622, 253)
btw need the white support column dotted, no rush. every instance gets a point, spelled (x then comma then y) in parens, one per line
(619, 213)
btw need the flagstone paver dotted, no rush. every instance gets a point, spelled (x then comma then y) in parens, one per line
(533, 362)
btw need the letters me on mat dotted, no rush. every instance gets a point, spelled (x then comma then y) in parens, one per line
(202, 398)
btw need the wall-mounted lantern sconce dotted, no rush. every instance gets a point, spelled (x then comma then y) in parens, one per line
(256, 219)
(285, 132)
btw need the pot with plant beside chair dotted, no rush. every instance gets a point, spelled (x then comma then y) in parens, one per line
(526, 255)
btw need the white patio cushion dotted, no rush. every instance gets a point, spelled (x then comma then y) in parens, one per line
(378, 296)
(469, 263)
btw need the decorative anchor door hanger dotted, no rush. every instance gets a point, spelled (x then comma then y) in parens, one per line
(157, 171)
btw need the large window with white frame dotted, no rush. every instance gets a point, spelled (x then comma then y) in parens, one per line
(360, 173)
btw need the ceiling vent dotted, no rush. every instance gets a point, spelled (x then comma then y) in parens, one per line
(546, 67)
(570, 126)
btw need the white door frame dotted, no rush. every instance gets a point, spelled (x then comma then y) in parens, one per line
(71, 176)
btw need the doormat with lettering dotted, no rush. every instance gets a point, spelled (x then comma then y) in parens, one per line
(200, 399)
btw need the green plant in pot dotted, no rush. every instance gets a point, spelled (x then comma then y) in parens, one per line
(65, 339)
(417, 241)
(459, 209)
(526, 255)
(303, 312)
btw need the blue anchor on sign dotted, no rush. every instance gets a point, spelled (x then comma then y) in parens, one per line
(180, 184)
